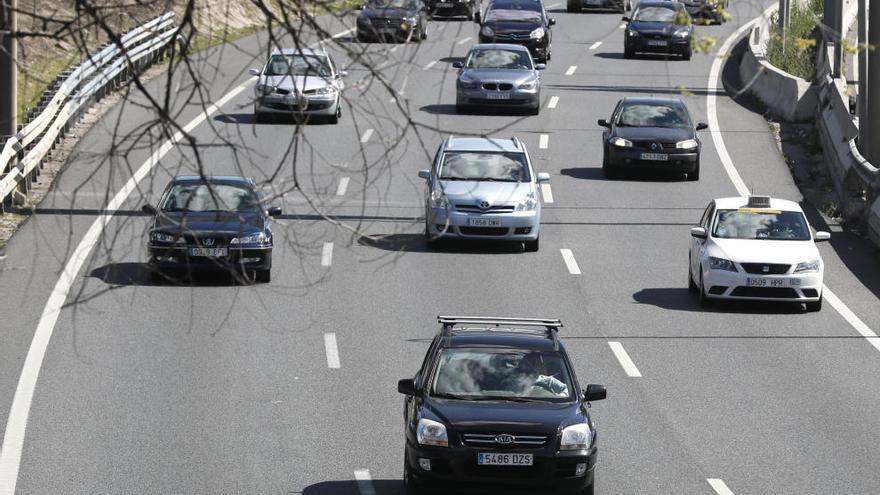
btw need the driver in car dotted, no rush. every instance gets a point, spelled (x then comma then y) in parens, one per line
(531, 376)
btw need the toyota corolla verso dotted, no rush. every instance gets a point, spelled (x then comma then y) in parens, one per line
(483, 188)
(496, 404)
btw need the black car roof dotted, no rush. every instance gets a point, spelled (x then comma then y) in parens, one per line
(218, 179)
(500, 339)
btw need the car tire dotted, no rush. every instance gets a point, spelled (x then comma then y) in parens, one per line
(705, 301)
(533, 246)
(461, 109)
(334, 119)
(535, 110)
(628, 52)
(692, 286)
(591, 489)
(815, 306)
(362, 39)
(410, 486)
(424, 34)
(573, 7)
(259, 117)
(695, 175)
(687, 54)
(607, 170)
(263, 276)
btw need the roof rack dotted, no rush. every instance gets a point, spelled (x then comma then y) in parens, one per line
(550, 326)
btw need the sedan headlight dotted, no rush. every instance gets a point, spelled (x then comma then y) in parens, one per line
(721, 264)
(537, 34)
(682, 33)
(326, 90)
(439, 200)
(687, 144)
(430, 432)
(528, 203)
(632, 33)
(619, 141)
(265, 88)
(576, 437)
(465, 81)
(163, 237)
(532, 84)
(258, 238)
(807, 266)
(487, 31)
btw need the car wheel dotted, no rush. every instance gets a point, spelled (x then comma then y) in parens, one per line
(461, 108)
(334, 119)
(692, 286)
(607, 170)
(695, 175)
(687, 54)
(705, 301)
(533, 246)
(409, 484)
(263, 276)
(362, 38)
(591, 489)
(424, 35)
(628, 52)
(815, 306)
(535, 110)
(259, 117)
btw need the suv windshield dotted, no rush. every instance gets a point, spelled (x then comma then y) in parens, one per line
(213, 197)
(655, 14)
(652, 115)
(298, 65)
(747, 223)
(484, 165)
(499, 59)
(502, 374)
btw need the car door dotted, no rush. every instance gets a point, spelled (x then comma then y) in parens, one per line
(698, 246)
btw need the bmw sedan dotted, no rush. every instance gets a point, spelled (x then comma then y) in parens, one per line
(299, 82)
(660, 27)
(498, 75)
(523, 22)
(483, 188)
(399, 20)
(651, 134)
(215, 222)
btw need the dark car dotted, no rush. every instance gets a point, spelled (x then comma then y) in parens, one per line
(707, 11)
(660, 27)
(500, 75)
(215, 222)
(454, 8)
(398, 20)
(522, 22)
(496, 403)
(655, 134)
(618, 5)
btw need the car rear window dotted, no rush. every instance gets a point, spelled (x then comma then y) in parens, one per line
(485, 166)
(746, 223)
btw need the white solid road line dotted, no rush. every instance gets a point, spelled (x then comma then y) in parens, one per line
(544, 141)
(331, 350)
(366, 136)
(553, 101)
(628, 365)
(595, 45)
(570, 262)
(571, 70)
(733, 174)
(327, 254)
(719, 486)
(430, 64)
(463, 41)
(364, 482)
(343, 185)
(546, 193)
(16, 423)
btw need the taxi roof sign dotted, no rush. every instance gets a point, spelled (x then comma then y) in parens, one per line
(759, 201)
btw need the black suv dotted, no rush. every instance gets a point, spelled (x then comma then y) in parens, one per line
(496, 402)
(454, 8)
(523, 22)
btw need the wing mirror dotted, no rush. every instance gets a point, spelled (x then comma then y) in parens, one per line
(625, 19)
(595, 392)
(543, 177)
(457, 64)
(425, 174)
(822, 236)
(603, 123)
(551, 22)
(477, 17)
(149, 209)
(407, 386)
(254, 72)
(702, 125)
(274, 211)
(540, 66)
(698, 232)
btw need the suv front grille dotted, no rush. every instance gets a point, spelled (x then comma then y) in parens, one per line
(488, 440)
(772, 268)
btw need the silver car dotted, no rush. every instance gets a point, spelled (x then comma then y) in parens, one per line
(298, 82)
(498, 74)
(483, 188)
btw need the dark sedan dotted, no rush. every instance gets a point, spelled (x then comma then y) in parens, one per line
(618, 5)
(454, 8)
(655, 134)
(707, 11)
(660, 27)
(394, 19)
(522, 22)
(214, 222)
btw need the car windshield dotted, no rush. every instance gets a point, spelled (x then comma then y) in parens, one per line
(499, 59)
(655, 14)
(745, 223)
(391, 4)
(201, 197)
(653, 115)
(298, 65)
(502, 374)
(528, 5)
(484, 166)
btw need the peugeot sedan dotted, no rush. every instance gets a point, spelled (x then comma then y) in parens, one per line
(523, 22)
(483, 188)
(498, 75)
(660, 27)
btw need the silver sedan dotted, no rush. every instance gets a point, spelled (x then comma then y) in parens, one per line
(498, 75)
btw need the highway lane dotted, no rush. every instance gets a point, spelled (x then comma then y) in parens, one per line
(191, 363)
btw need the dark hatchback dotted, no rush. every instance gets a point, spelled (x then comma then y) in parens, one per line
(392, 19)
(659, 27)
(454, 8)
(215, 222)
(521, 22)
(655, 134)
(496, 404)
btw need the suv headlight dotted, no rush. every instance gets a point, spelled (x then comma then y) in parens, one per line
(681, 33)
(537, 34)
(528, 203)
(687, 144)
(576, 437)
(258, 238)
(632, 33)
(721, 264)
(430, 432)
(439, 200)
(807, 266)
(619, 141)
(487, 31)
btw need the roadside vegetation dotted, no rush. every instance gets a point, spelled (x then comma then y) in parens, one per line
(795, 50)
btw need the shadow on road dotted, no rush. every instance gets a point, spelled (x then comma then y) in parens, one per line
(448, 109)
(596, 173)
(141, 274)
(680, 299)
(415, 243)
(352, 487)
(268, 119)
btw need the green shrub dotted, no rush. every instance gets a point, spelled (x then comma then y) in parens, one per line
(795, 52)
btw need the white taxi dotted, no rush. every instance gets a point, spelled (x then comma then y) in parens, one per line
(758, 248)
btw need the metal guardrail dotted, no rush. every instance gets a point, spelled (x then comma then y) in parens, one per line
(22, 154)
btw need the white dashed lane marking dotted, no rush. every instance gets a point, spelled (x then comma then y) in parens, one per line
(719, 486)
(595, 45)
(463, 41)
(430, 64)
(331, 350)
(342, 187)
(628, 365)
(553, 101)
(327, 254)
(544, 141)
(571, 70)
(570, 262)
(546, 193)
(367, 135)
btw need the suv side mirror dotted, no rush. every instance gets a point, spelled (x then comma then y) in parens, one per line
(458, 64)
(540, 66)
(625, 19)
(407, 386)
(254, 72)
(595, 392)
(149, 209)
(476, 17)
(698, 232)
(274, 211)
(551, 22)
(822, 236)
(425, 174)
(702, 125)
(603, 123)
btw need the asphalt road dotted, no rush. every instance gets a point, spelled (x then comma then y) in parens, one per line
(215, 387)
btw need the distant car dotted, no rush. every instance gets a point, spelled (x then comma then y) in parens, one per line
(659, 27)
(483, 188)
(523, 22)
(758, 248)
(578, 5)
(498, 75)
(652, 134)
(299, 82)
(706, 11)
(211, 223)
(496, 404)
(454, 8)
(398, 20)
